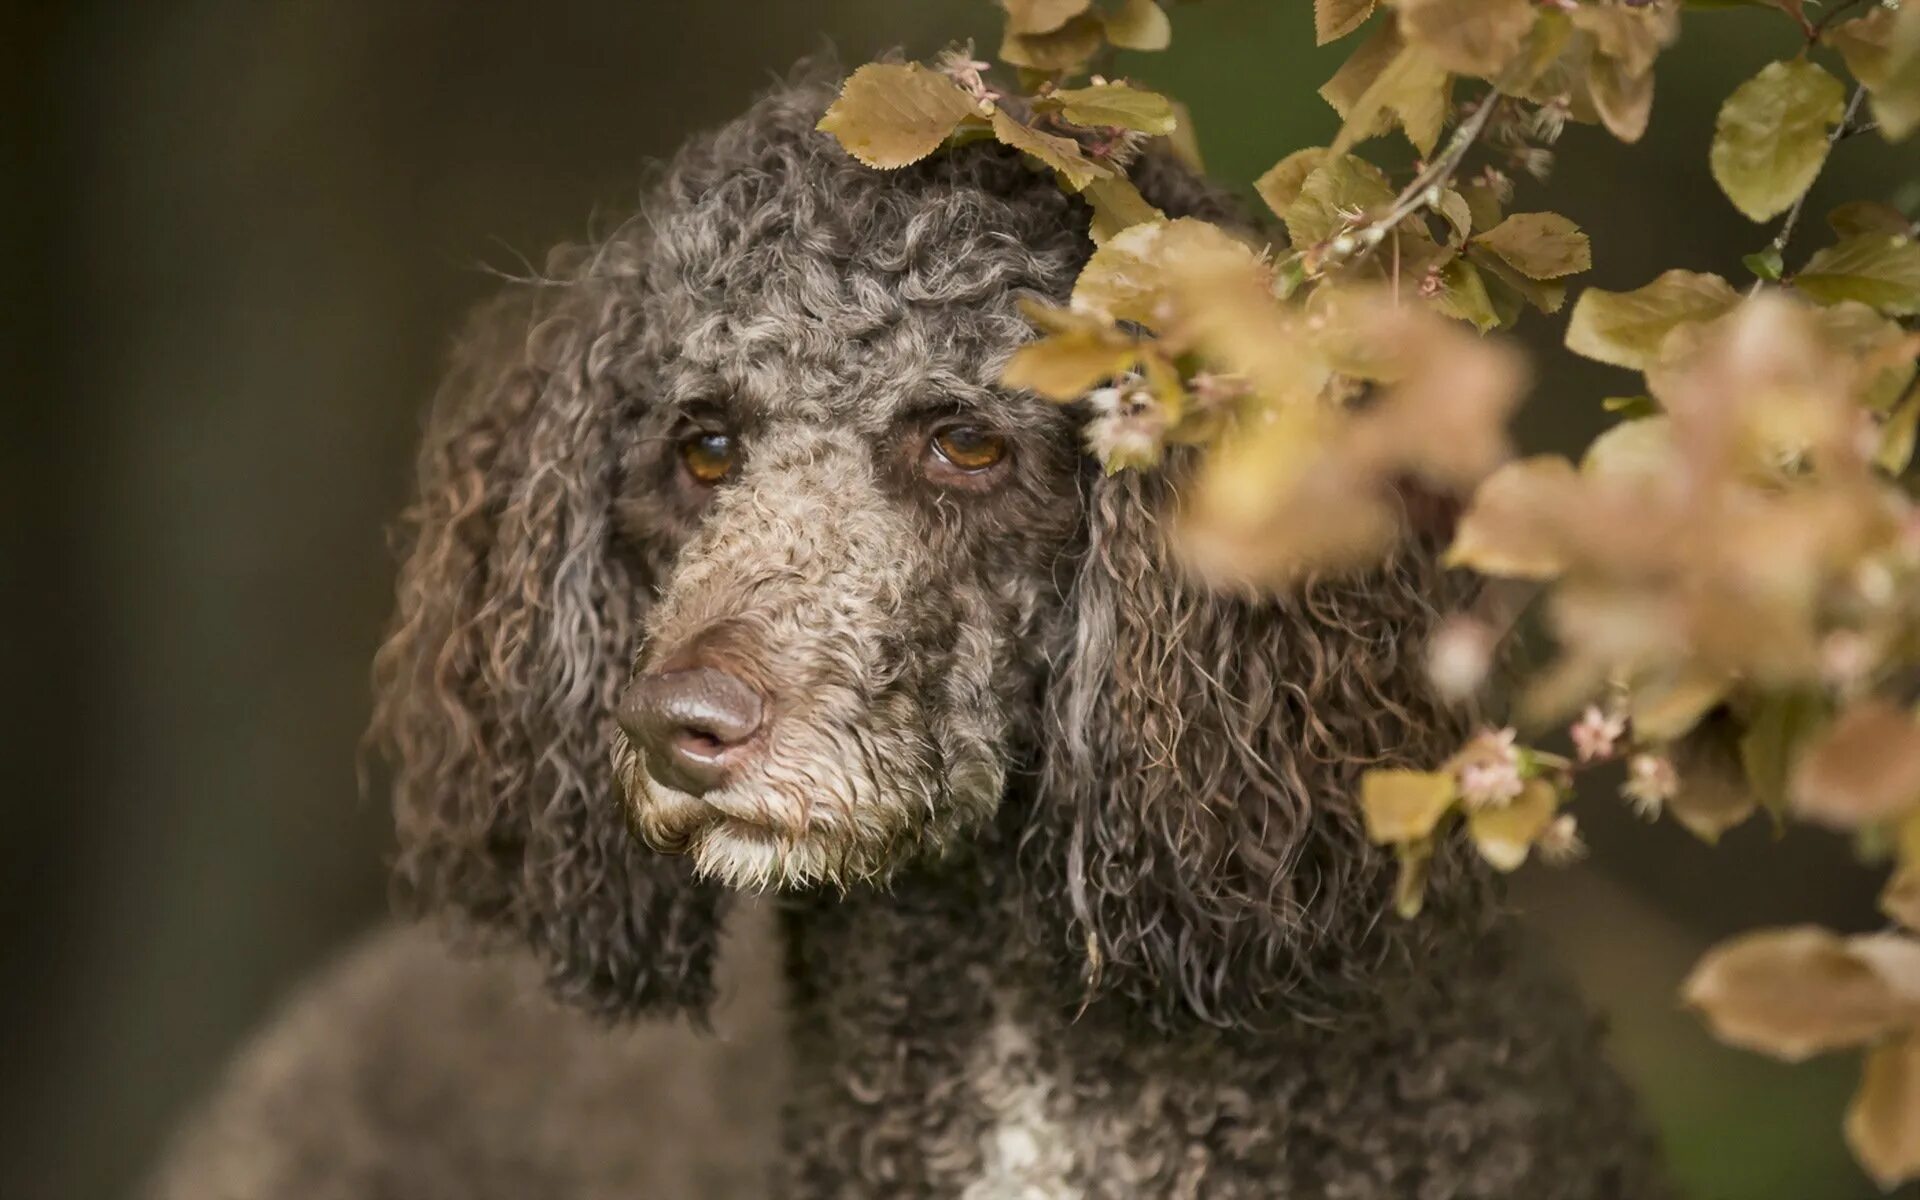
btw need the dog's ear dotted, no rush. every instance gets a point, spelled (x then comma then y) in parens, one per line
(1196, 822)
(516, 624)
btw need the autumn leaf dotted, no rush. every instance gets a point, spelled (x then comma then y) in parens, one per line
(1388, 80)
(1865, 769)
(1471, 37)
(1771, 137)
(1117, 206)
(1457, 213)
(1539, 245)
(1335, 19)
(1627, 328)
(1062, 154)
(1507, 529)
(1079, 351)
(1280, 186)
(1793, 993)
(1041, 16)
(1114, 104)
(1879, 270)
(1404, 806)
(1463, 296)
(1883, 1122)
(1505, 834)
(1125, 280)
(1341, 186)
(1139, 25)
(1882, 50)
(892, 114)
(1064, 49)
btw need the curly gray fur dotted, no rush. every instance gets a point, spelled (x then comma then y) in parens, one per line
(1076, 901)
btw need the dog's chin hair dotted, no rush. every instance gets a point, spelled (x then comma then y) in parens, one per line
(771, 862)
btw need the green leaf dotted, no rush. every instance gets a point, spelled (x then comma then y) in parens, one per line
(1464, 296)
(891, 114)
(1631, 408)
(1771, 139)
(1765, 264)
(1404, 806)
(1062, 154)
(1139, 25)
(1329, 197)
(1879, 270)
(1626, 328)
(1335, 19)
(1114, 104)
(1457, 213)
(1539, 245)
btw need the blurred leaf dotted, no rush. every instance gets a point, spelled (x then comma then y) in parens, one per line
(1505, 834)
(1330, 197)
(1117, 206)
(1065, 49)
(1463, 296)
(1793, 993)
(1631, 408)
(1410, 889)
(891, 114)
(1775, 732)
(1471, 37)
(1901, 898)
(1714, 793)
(1882, 49)
(1895, 454)
(1627, 328)
(1771, 137)
(1041, 16)
(1539, 245)
(1114, 104)
(1404, 806)
(1139, 25)
(1062, 154)
(1864, 770)
(1883, 1122)
(1879, 270)
(1125, 280)
(1335, 19)
(1505, 530)
(1280, 186)
(1859, 217)
(1642, 448)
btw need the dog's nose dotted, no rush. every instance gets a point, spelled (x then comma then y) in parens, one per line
(693, 725)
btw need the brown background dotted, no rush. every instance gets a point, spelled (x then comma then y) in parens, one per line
(238, 236)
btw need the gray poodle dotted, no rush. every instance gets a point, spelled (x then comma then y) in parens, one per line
(734, 568)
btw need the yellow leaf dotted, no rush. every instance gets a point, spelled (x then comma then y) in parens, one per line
(1065, 49)
(1665, 711)
(1864, 770)
(1539, 245)
(1041, 16)
(1471, 37)
(1627, 328)
(1504, 835)
(1897, 436)
(1332, 197)
(1883, 1122)
(1062, 154)
(1404, 806)
(892, 114)
(1139, 25)
(1410, 889)
(1793, 993)
(1507, 530)
(1877, 269)
(1280, 186)
(1335, 19)
(1882, 50)
(1457, 213)
(1622, 99)
(1901, 897)
(1078, 353)
(1114, 104)
(1117, 206)
(1125, 280)
(1410, 85)
(1463, 295)
(1771, 138)
(1642, 449)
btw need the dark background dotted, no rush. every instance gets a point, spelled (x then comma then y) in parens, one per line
(237, 237)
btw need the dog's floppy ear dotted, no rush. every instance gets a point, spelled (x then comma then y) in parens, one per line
(1196, 822)
(516, 625)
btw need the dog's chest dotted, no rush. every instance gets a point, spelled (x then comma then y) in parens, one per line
(1027, 1146)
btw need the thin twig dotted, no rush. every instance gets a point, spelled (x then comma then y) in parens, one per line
(1439, 172)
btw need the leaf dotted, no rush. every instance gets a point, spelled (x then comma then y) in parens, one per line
(891, 114)
(1897, 436)
(1117, 206)
(1901, 897)
(1633, 449)
(1775, 732)
(1503, 835)
(1879, 270)
(1463, 296)
(1507, 529)
(1793, 993)
(1457, 213)
(1626, 328)
(1539, 245)
(1335, 19)
(1484, 203)
(1771, 138)
(1410, 888)
(1864, 770)
(1767, 263)
(1404, 806)
(1125, 280)
(1713, 794)
(1883, 1122)
(1041, 16)
(1330, 195)
(1280, 186)
(1062, 154)
(1882, 50)
(1622, 99)
(1356, 75)
(1066, 366)
(1117, 105)
(1139, 25)
(1409, 86)
(1065, 49)
(1858, 217)
(1471, 37)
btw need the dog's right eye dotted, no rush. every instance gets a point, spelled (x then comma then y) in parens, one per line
(708, 457)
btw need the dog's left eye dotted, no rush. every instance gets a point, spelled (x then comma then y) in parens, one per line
(708, 457)
(969, 447)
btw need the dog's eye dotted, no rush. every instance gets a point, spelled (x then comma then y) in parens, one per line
(969, 447)
(708, 457)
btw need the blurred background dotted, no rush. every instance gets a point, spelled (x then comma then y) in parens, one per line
(239, 235)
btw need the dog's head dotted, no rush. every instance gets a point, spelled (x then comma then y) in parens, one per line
(732, 541)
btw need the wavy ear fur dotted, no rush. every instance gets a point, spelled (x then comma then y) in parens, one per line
(1202, 750)
(516, 624)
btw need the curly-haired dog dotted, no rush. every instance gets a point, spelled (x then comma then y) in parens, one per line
(735, 568)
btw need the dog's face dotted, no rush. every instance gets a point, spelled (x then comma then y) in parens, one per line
(859, 533)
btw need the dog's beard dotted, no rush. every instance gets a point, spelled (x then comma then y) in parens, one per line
(817, 808)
